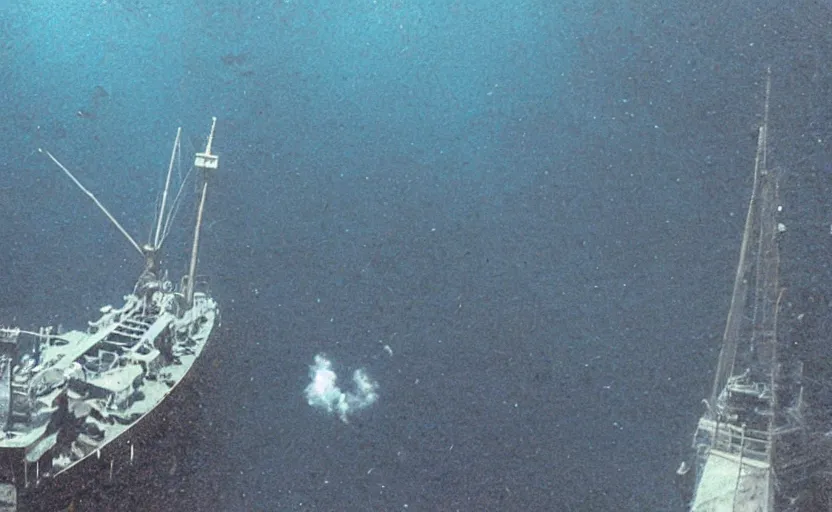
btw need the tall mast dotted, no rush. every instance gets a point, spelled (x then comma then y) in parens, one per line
(757, 267)
(96, 201)
(157, 239)
(205, 162)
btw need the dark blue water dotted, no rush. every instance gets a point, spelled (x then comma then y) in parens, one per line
(536, 205)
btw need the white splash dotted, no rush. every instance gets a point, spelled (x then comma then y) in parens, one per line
(322, 393)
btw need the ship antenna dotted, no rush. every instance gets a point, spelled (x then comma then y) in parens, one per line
(204, 161)
(96, 201)
(158, 238)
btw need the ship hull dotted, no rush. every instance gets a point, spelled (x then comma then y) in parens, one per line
(92, 437)
(131, 472)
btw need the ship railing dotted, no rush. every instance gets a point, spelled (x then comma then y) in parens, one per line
(733, 439)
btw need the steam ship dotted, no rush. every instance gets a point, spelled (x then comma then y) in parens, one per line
(70, 401)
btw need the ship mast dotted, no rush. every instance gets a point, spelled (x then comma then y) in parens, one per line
(757, 274)
(751, 453)
(94, 200)
(159, 236)
(163, 218)
(204, 162)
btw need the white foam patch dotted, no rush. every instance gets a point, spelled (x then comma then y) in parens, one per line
(323, 392)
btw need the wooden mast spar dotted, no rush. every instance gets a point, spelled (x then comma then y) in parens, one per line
(205, 162)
